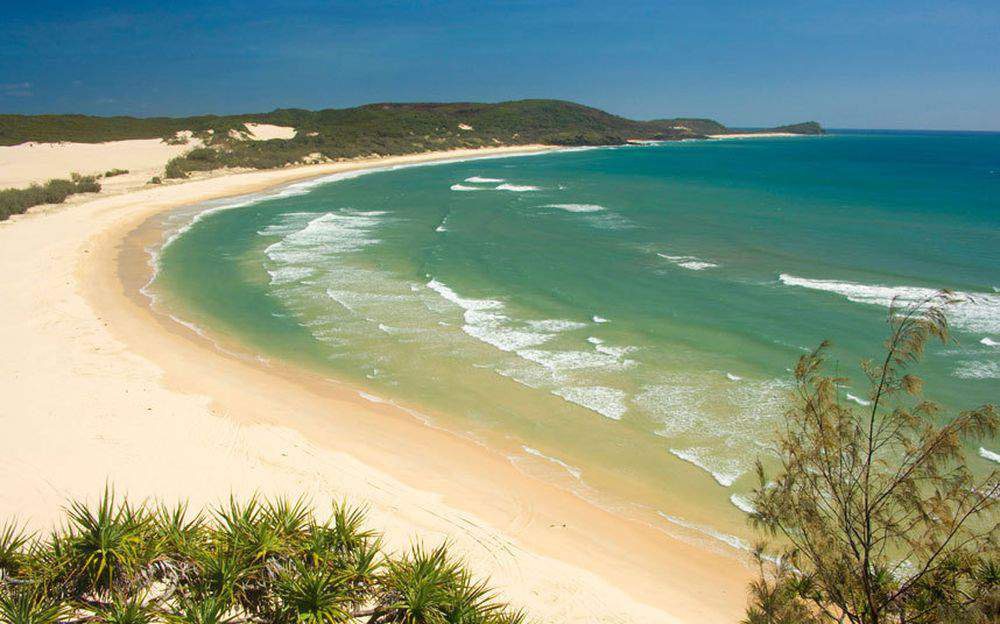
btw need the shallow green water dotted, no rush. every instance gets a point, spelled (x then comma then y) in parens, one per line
(619, 320)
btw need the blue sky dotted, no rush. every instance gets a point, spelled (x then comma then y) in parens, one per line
(893, 64)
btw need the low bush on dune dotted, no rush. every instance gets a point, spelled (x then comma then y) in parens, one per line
(17, 201)
(111, 173)
(258, 561)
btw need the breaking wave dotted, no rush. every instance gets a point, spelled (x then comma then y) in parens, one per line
(724, 471)
(692, 263)
(608, 402)
(576, 207)
(576, 472)
(974, 312)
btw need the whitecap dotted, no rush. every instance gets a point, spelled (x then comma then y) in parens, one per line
(556, 325)
(989, 342)
(287, 275)
(517, 188)
(974, 312)
(567, 467)
(479, 179)
(732, 377)
(561, 361)
(594, 340)
(858, 400)
(742, 503)
(689, 262)
(724, 471)
(576, 207)
(466, 187)
(608, 402)
(600, 319)
(988, 454)
(978, 370)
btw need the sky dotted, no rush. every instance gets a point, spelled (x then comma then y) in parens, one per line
(847, 64)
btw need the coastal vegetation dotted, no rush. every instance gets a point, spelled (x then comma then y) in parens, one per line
(370, 130)
(17, 201)
(267, 561)
(880, 518)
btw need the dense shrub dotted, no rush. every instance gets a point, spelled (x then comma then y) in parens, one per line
(267, 562)
(17, 201)
(110, 173)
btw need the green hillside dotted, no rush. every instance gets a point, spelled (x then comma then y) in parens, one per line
(385, 129)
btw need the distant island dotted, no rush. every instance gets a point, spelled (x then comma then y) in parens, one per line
(372, 130)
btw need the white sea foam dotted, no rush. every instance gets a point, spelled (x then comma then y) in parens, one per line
(974, 312)
(689, 262)
(608, 402)
(725, 471)
(486, 321)
(440, 228)
(576, 207)
(742, 503)
(563, 361)
(556, 325)
(287, 275)
(731, 540)
(517, 188)
(858, 400)
(567, 467)
(466, 187)
(326, 234)
(988, 454)
(978, 370)
(989, 342)
(482, 180)
(373, 398)
(600, 319)
(732, 377)
(618, 353)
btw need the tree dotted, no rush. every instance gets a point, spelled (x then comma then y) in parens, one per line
(880, 518)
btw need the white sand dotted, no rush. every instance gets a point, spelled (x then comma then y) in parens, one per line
(266, 132)
(97, 387)
(753, 135)
(24, 164)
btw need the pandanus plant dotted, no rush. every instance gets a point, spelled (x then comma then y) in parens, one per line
(259, 561)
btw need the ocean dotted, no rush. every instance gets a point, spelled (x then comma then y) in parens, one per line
(620, 321)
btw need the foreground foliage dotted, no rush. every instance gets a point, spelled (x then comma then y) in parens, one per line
(17, 201)
(883, 520)
(258, 561)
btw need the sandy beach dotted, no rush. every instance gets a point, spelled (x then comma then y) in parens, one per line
(99, 387)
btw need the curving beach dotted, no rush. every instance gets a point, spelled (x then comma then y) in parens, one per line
(100, 386)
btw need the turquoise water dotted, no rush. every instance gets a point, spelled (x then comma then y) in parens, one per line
(619, 320)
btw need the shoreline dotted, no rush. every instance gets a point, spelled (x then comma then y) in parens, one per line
(233, 425)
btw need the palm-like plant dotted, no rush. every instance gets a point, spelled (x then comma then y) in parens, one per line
(247, 562)
(125, 610)
(12, 541)
(420, 587)
(203, 610)
(314, 595)
(106, 546)
(30, 606)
